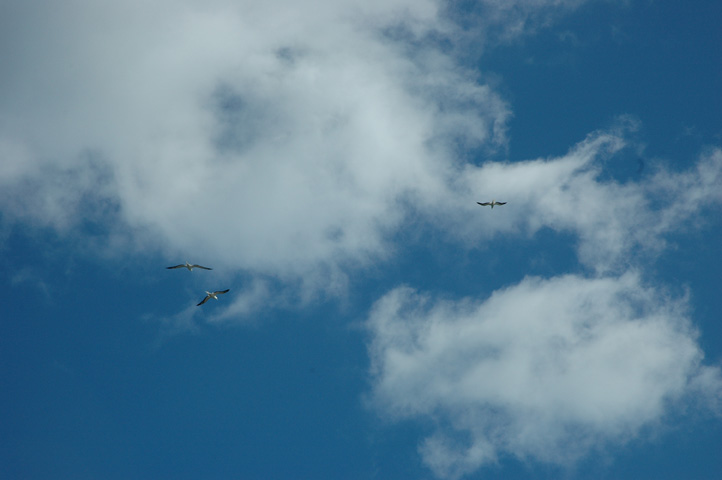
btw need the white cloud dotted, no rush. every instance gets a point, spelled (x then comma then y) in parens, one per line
(550, 369)
(284, 140)
(547, 369)
(287, 141)
(280, 137)
(614, 222)
(292, 139)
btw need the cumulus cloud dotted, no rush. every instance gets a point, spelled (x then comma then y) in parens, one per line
(277, 137)
(284, 140)
(291, 140)
(547, 369)
(551, 369)
(288, 141)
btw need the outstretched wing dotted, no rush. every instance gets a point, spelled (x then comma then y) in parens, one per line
(222, 291)
(485, 204)
(501, 203)
(201, 266)
(177, 266)
(204, 300)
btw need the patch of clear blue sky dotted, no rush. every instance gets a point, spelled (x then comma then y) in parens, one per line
(89, 393)
(660, 61)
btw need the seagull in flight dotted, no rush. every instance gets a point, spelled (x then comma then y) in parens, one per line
(492, 203)
(189, 267)
(213, 295)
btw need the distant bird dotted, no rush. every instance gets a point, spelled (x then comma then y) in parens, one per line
(189, 267)
(213, 295)
(492, 203)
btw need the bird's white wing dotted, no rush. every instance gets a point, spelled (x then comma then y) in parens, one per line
(201, 266)
(501, 203)
(485, 204)
(222, 291)
(177, 266)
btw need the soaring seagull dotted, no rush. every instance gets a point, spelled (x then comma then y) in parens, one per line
(213, 295)
(189, 267)
(492, 203)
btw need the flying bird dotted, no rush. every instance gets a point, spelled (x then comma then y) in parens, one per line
(213, 295)
(189, 267)
(492, 203)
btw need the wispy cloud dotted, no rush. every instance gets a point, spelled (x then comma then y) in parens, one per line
(245, 303)
(615, 222)
(28, 275)
(500, 21)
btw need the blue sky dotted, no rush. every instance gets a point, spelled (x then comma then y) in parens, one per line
(325, 158)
